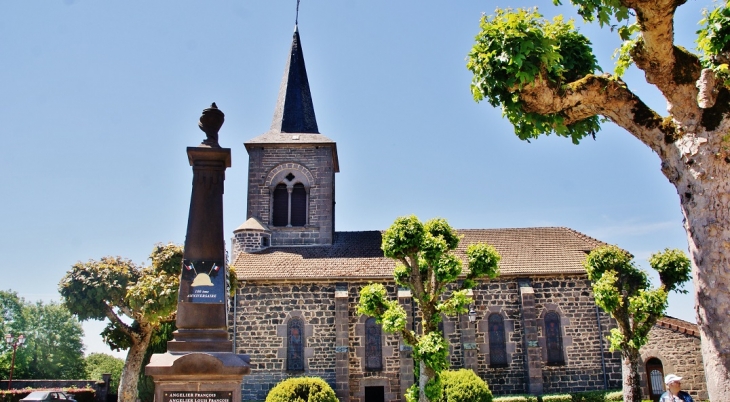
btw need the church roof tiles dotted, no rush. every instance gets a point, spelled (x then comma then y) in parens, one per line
(524, 251)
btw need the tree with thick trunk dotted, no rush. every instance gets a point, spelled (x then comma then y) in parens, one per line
(426, 266)
(542, 74)
(115, 288)
(624, 291)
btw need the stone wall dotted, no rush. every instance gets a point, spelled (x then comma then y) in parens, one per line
(311, 161)
(572, 298)
(264, 308)
(680, 353)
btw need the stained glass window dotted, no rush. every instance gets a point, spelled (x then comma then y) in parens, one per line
(497, 341)
(295, 345)
(553, 339)
(373, 347)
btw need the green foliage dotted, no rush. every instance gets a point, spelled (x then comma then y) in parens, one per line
(616, 396)
(426, 265)
(403, 238)
(90, 288)
(623, 290)
(603, 11)
(516, 48)
(114, 287)
(434, 388)
(100, 363)
(483, 262)
(674, 268)
(713, 40)
(589, 396)
(302, 389)
(456, 304)
(464, 386)
(102, 289)
(623, 53)
(557, 398)
(433, 351)
(516, 398)
(411, 394)
(53, 345)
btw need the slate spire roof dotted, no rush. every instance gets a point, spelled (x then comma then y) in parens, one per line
(294, 111)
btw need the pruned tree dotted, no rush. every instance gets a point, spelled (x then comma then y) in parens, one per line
(624, 291)
(116, 289)
(543, 76)
(428, 267)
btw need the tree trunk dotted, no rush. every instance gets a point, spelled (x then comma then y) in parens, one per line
(630, 374)
(130, 374)
(426, 374)
(702, 180)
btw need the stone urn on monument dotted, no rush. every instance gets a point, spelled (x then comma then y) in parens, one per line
(200, 365)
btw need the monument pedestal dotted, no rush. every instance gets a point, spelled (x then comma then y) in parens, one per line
(198, 376)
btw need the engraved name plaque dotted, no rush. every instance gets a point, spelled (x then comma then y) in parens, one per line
(197, 396)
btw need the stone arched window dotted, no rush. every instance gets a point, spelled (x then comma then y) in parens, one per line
(553, 339)
(280, 206)
(289, 186)
(298, 209)
(295, 345)
(373, 345)
(497, 341)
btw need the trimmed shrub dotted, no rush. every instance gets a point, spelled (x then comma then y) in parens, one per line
(557, 398)
(589, 396)
(516, 398)
(464, 386)
(617, 396)
(302, 389)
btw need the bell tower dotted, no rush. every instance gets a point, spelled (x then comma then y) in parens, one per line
(291, 171)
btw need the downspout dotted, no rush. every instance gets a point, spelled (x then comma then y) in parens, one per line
(603, 359)
(235, 318)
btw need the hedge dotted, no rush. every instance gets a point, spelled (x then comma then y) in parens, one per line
(464, 386)
(302, 389)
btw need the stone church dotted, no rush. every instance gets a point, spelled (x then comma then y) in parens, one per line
(536, 330)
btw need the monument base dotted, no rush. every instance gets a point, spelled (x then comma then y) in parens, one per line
(198, 376)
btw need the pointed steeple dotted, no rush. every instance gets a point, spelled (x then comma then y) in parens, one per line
(294, 109)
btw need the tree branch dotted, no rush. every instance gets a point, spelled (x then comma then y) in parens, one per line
(672, 69)
(601, 95)
(115, 319)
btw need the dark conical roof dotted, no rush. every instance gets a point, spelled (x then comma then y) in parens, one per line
(294, 109)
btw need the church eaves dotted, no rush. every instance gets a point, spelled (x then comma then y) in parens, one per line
(294, 108)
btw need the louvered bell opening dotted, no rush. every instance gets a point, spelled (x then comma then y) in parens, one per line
(281, 206)
(299, 205)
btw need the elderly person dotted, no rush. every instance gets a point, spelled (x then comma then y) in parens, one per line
(674, 390)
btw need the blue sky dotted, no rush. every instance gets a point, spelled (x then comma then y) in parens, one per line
(99, 99)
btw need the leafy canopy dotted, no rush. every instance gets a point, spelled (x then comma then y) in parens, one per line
(428, 267)
(517, 47)
(53, 345)
(624, 291)
(98, 364)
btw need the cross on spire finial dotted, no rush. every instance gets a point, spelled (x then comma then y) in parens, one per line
(296, 19)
